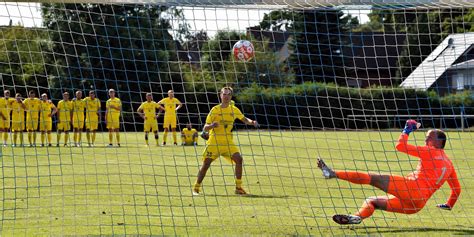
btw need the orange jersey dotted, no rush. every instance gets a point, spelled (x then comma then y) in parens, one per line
(434, 168)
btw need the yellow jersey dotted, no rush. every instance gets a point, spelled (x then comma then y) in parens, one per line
(149, 109)
(33, 108)
(18, 113)
(170, 106)
(225, 117)
(45, 110)
(78, 107)
(111, 111)
(65, 108)
(92, 108)
(188, 134)
(5, 106)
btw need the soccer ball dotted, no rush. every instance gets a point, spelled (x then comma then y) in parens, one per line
(205, 135)
(243, 50)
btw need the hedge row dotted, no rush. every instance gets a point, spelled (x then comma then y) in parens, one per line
(319, 105)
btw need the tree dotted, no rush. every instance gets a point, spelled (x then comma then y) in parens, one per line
(23, 57)
(319, 36)
(218, 49)
(126, 47)
(425, 30)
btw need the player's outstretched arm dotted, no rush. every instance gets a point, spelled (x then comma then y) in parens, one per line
(402, 145)
(455, 192)
(250, 122)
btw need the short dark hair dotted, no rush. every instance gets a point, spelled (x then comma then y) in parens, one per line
(31, 92)
(441, 137)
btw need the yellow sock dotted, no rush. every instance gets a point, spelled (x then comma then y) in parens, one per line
(34, 137)
(111, 138)
(15, 137)
(58, 137)
(43, 136)
(75, 137)
(21, 138)
(197, 186)
(93, 137)
(117, 135)
(50, 138)
(30, 136)
(165, 135)
(5, 136)
(79, 137)
(238, 183)
(66, 138)
(174, 136)
(88, 136)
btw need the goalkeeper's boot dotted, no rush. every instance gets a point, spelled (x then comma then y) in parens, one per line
(240, 191)
(346, 219)
(328, 173)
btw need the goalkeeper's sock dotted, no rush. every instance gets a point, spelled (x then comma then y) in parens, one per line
(111, 137)
(165, 136)
(238, 183)
(117, 136)
(353, 176)
(174, 136)
(366, 210)
(43, 136)
(50, 138)
(88, 136)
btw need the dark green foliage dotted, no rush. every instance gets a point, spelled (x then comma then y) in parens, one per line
(319, 105)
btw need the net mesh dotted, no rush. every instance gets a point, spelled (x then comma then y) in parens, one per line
(334, 80)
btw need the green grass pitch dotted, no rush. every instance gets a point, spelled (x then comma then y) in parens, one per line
(139, 190)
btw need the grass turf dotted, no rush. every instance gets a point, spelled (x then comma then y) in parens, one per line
(138, 190)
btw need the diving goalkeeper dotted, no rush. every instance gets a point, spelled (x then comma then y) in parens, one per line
(408, 194)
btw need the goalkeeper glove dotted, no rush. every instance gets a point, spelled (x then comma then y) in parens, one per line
(444, 207)
(410, 126)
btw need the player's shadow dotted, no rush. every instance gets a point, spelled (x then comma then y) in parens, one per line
(410, 230)
(250, 196)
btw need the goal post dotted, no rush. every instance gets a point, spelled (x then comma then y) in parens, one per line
(334, 79)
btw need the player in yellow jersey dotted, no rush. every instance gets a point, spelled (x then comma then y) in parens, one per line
(65, 118)
(32, 116)
(220, 122)
(147, 111)
(92, 117)
(171, 105)
(112, 116)
(78, 106)
(18, 119)
(47, 111)
(5, 109)
(189, 136)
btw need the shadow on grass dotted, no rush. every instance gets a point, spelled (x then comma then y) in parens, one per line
(412, 230)
(250, 196)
